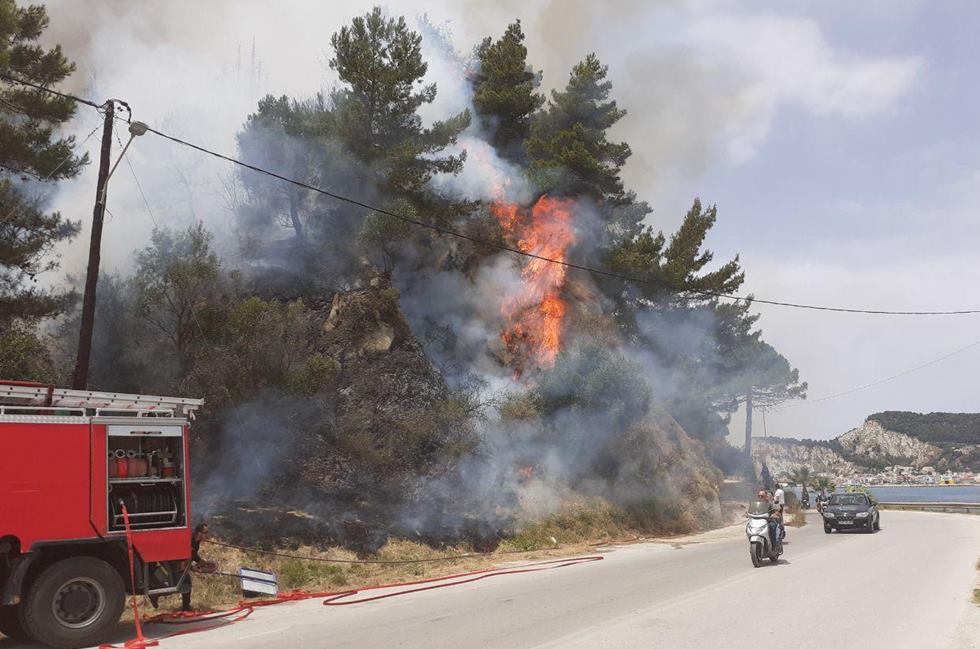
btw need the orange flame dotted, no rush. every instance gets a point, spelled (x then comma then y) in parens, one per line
(533, 331)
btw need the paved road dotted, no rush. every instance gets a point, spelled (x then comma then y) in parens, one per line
(906, 586)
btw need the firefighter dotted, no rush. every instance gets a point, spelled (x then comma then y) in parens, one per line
(198, 564)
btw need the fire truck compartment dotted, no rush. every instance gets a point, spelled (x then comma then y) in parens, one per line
(145, 472)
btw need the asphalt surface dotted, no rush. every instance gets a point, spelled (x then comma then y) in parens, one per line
(908, 585)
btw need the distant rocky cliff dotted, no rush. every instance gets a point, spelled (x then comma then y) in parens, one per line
(782, 455)
(873, 446)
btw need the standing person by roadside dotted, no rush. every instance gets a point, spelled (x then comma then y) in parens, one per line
(779, 500)
(198, 564)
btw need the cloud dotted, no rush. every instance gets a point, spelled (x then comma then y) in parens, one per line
(785, 61)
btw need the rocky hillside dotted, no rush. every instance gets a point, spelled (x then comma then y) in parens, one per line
(922, 440)
(872, 444)
(782, 455)
(934, 427)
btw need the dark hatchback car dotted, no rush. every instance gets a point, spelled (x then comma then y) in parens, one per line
(851, 511)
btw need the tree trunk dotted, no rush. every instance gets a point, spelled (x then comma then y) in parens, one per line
(748, 424)
(294, 216)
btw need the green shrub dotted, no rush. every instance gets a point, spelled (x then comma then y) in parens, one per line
(294, 574)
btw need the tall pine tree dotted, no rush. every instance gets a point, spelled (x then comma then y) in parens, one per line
(568, 147)
(504, 91)
(718, 357)
(379, 62)
(375, 114)
(31, 155)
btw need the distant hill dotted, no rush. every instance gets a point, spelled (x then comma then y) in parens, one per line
(946, 441)
(934, 427)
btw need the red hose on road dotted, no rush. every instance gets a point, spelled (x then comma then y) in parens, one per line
(245, 609)
(139, 642)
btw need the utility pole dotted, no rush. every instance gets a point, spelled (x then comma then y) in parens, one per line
(80, 377)
(748, 424)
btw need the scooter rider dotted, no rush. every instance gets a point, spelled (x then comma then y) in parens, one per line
(775, 517)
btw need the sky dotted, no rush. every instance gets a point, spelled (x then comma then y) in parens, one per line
(836, 138)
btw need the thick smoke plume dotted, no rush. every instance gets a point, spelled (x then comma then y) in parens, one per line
(183, 74)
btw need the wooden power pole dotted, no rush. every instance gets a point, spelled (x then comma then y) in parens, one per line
(80, 376)
(748, 425)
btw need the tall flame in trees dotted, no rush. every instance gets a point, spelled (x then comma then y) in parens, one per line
(532, 334)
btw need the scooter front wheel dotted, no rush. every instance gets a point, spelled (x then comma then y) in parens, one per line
(755, 551)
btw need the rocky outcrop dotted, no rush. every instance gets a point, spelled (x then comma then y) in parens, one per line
(869, 447)
(879, 445)
(785, 455)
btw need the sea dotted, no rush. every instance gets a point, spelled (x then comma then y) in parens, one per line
(922, 494)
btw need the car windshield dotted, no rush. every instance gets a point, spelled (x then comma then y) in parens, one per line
(848, 499)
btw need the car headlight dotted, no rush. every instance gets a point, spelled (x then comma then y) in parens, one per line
(861, 515)
(829, 515)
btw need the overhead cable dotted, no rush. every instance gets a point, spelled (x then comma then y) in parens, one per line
(503, 246)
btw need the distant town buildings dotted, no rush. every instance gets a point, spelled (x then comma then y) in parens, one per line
(904, 475)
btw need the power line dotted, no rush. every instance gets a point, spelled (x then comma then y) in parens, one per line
(517, 251)
(139, 185)
(880, 381)
(505, 247)
(52, 91)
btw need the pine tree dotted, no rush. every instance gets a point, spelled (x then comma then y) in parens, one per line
(375, 115)
(379, 62)
(504, 91)
(722, 356)
(31, 155)
(672, 269)
(568, 147)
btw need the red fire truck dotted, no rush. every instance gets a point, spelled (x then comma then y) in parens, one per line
(70, 461)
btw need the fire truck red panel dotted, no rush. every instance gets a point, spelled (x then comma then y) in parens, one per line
(45, 494)
(163, 545)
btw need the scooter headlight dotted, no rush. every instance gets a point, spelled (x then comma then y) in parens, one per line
(757, 525)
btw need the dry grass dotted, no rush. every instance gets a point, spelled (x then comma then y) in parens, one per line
(215, 592)
(576, 529)
(976, 591)
(797, 517)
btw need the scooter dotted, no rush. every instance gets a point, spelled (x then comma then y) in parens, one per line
(760, 546)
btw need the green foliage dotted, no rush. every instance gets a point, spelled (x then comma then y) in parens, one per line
(384, 233)
(934, 427)
(568, 148)
(379, 62)
(294, 573)
(504, 91)
(672, 270)
(30, 151)
(257, 344)
(802, 476)
(595, 379)
(823, 483)
(313, 375)
(24, 354)
(175, 278)
(712, 346)
(521, 406)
